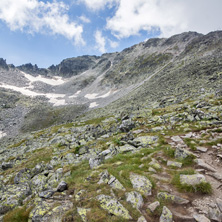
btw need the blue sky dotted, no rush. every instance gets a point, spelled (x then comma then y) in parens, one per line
(46, 32)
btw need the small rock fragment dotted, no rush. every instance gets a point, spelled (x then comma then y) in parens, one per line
(166, 215)
(62, 186)
(202, 149)
(142, 219)
(152, 207)
(82, 213)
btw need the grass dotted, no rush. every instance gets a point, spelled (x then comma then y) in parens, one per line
(17, 144)
(188, 161)
(213, 143)
(190, 143)
(19, 214)
(169, 152)
(203, 187)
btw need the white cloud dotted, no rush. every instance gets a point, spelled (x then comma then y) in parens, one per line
(113, 44)
(100, 41)
(168, 16)
(84, 19)
(99, 4)
(35, 16)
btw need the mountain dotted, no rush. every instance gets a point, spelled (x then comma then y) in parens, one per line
(126, 136)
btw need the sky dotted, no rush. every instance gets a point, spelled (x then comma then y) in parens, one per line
(46, 32)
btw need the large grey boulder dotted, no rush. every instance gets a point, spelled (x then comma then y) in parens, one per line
(12, 196)
(141, 184)
(105, 177)
(145, 141)
(83, 213)
(95, 161)
(172, 198)
(181, 153)
(135, 199)
(126, 148)
(23, 176)
(192, 180)
(113, 206)
(126, 125)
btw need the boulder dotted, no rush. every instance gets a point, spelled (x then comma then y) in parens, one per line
(113, 206)
(79, 195)
(23, 176)
(12, 196)
(154, 163)
(105, 177)
(126, 125)
(181, 153)
(46, 194)
(174, 164)
(166, 215)
(141, 184)
(145, 141)
(95, 161)
(135, 199)
(172, 198)
(39, 182)
(153, 206)
(83, 213)
(62, 186)
(126, 148)
(192, 180)
(41, 209)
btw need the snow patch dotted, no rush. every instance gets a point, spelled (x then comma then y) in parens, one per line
(91, 96)
(94, 95)
(55, 81)
(56, 99)
(92, 105)
(2, 134)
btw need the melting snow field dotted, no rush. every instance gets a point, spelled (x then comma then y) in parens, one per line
(56, 99)
(92, 105)
(94, 95)
(2, 134)
(55, 81)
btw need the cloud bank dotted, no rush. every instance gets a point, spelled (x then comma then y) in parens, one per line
(35, 16)
(168, 16)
